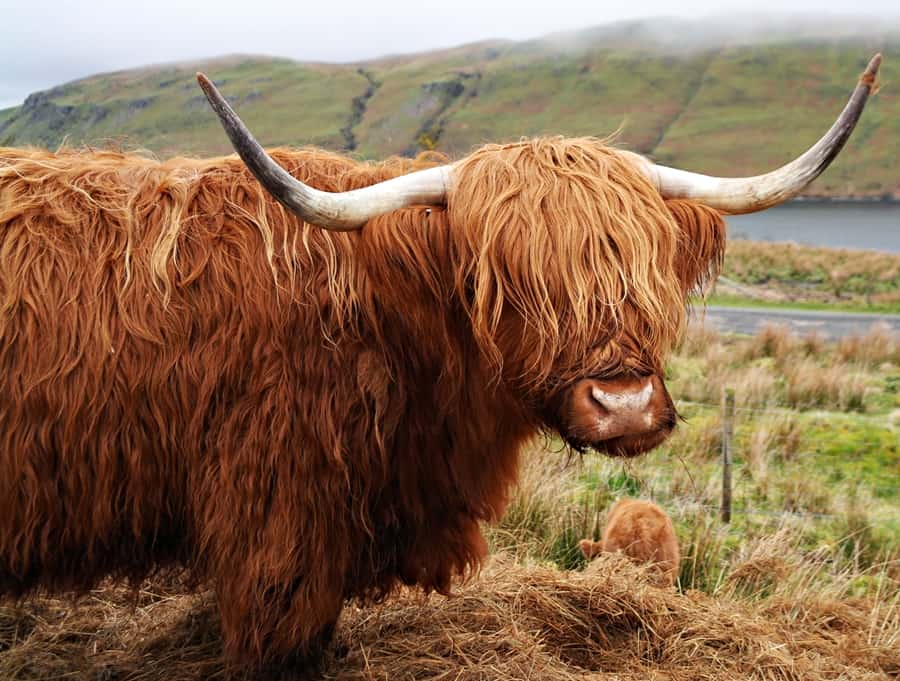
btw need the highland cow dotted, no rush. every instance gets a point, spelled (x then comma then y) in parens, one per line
(642, 531)
(320, 397)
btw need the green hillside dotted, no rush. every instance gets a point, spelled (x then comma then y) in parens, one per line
(733, 110)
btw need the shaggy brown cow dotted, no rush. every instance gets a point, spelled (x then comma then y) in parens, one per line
(192, 375)
(642, 531)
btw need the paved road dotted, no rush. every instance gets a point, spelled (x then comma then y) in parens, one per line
(830, 324)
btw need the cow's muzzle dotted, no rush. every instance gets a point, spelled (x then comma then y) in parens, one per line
(623, 416)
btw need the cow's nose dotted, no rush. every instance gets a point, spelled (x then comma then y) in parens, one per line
(620, 407)
(623, 402)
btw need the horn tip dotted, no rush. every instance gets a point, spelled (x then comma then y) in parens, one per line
(212, 94)
(873, 66)
(869, 76)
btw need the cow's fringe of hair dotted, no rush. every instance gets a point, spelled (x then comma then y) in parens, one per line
(701, 244)
(189, 374)
(571, 236)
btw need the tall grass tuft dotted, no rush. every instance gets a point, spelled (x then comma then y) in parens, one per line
(877, 346)
(811, 386)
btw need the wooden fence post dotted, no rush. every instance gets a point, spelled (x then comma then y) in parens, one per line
(727, 433)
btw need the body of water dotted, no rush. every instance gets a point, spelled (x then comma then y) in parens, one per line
(872, 226)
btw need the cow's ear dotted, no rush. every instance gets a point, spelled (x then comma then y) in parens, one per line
(701, 244)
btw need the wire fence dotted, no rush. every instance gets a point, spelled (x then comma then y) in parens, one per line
(882, 518)
(739, 483)
(884, 419)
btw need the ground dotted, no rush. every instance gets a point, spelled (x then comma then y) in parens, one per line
(804, 583)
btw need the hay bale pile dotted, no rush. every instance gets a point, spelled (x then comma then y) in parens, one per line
(512, 622)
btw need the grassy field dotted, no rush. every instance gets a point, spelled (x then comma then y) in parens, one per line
(817, 455)
(804, 583)
(739, 109)
(807, 277)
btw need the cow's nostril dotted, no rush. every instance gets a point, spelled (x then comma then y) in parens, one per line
(635, 401)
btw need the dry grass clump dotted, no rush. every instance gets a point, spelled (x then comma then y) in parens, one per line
(160, 632)
(877, 346)
(777, 368)
(548, 512)
(512, 622)
(803, 494)
(698, 338)
(778, 342)
(774, 439)
(773, 340)
(700, 439)
(760, 566)
(808, 385)
(754, 387)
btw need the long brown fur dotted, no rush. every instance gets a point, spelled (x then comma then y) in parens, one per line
(190, 376)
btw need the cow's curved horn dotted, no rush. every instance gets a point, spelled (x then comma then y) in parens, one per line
(342, 211)
(749, 194)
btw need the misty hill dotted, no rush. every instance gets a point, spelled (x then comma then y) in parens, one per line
(738, 102)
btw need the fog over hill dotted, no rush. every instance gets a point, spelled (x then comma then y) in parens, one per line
(680, 34)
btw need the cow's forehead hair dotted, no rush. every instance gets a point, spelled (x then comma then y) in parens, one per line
(574, 238)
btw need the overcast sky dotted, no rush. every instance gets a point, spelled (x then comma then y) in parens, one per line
(48, 42)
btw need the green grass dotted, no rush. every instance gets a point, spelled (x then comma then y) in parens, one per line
(527, 94)
(739, 110)
(782, 98)
(726, 300)
(816, 467)
(789, 275)
(164, 111)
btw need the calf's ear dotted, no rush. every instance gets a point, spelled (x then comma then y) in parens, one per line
(590, 548)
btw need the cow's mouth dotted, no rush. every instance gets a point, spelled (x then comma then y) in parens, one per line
(626, 446)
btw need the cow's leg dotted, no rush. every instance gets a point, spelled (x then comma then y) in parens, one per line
(273, 523)
(277, 564)
(301, 665)
(273, 625)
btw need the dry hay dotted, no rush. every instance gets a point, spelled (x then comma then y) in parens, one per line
(513, 622)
